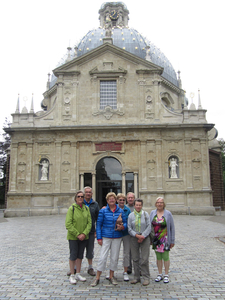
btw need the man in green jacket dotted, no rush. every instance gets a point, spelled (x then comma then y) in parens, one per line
(78, 223)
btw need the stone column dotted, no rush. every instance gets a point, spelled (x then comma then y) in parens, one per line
(13, 167)
(94, 185)
(29, 166)
(57, 166)
(157, 107)
(158, 147)
(136, 184)
(81, 181)
(124, 183)
(59, 99)
(73, 155)
(143, 164)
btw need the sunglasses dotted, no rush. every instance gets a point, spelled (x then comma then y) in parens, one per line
(80, 196)
(122, 200)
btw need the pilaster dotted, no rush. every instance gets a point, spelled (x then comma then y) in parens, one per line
(57, 166)
(13, 167)
(158, 146)
(29, 166)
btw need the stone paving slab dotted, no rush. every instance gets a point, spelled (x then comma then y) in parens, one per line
(34, 263)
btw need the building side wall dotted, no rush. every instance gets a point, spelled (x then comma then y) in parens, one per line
(145, 152)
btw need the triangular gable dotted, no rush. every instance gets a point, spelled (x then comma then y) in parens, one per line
(68, 68)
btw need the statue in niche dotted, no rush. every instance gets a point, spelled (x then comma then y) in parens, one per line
(173, 168)
(44, 170)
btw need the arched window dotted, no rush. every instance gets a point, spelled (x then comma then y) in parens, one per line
(173, 167)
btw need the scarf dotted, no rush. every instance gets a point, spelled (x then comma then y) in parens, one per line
(138, 220)
(87, 203)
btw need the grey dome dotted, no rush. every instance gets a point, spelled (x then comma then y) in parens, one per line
(114, 4)
(130, 40)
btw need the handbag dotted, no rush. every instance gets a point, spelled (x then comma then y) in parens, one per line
(119, 221)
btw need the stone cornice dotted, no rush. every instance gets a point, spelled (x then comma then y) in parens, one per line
(111, 127)
(108, 73)
(65, 72)
(171, 86)
(149, 71)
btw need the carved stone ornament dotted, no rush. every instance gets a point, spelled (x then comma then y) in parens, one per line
(108, 112)
(148, 99)
(67, 100)
(142, 82)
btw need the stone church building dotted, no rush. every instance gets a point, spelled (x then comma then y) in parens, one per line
(114, 117)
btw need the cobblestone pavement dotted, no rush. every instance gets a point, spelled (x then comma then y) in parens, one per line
(34, 263)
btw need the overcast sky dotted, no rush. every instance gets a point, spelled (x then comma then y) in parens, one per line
(35, 36)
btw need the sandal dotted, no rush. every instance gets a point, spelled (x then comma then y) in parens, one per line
(166, 279)
(159, 278)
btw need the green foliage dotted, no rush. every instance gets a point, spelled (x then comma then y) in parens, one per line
(4, 145)
(222, 143)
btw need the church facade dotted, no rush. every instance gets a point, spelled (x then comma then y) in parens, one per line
(114, 117)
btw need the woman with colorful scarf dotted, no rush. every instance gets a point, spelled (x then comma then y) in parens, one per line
(139, 228)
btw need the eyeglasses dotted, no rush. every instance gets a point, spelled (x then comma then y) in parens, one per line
(122, 200)
(80, 196)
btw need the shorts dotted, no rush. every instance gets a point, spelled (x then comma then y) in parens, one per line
(77, 249)
(162, 255)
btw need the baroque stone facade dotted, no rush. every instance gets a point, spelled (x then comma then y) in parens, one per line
(115, 120)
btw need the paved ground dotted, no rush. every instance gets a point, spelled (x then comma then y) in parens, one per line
(34, 262)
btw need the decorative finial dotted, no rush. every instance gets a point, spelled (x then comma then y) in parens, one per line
(75, 51)
(199, 100)
(18, 105)
(179, 80)
(192, 107)
(147, 57)
(68, 55)
(32, 105)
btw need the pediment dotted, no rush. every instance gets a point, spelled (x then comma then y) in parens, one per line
(72, 67)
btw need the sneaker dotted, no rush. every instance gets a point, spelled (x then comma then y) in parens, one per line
(107, 277)
(73, 279)
(125, 277)
(146, 282)
(129, 271)
(95, 282)
(134, 281)
(91, 272)
(80, 278)
(69, 273)
(113, 281)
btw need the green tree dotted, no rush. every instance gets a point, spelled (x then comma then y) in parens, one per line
(222, 143)
(4, 145)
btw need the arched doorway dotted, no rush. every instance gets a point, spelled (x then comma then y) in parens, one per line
(108, 178)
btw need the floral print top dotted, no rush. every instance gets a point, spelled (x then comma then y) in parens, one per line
(160, 230)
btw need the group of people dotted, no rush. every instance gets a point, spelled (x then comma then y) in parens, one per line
(114, 224)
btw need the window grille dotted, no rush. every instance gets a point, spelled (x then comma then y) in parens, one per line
(108, 94)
